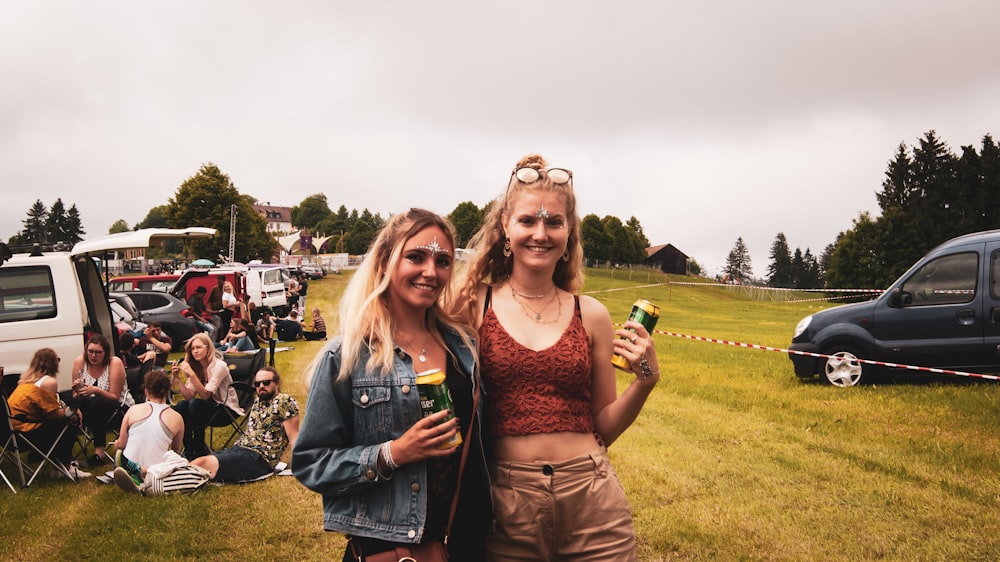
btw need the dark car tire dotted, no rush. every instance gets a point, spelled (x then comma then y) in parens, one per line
(843, 368)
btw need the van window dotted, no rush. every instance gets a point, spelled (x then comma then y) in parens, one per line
(946, 280)
(995, 275)
(27, 294)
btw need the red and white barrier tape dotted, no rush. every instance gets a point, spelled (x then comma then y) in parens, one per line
(809, 354)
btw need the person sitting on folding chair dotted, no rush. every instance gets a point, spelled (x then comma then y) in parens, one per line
(101, 390)
(208, 386)
(271, 427)
(38, 413)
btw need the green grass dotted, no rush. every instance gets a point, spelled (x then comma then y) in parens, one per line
(733, 458)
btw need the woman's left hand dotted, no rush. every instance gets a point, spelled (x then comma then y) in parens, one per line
(634, 343)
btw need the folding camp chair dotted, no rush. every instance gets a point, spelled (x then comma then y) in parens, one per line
(16, 442)
(242, 367)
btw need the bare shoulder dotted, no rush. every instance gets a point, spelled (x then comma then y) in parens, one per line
(593, 311)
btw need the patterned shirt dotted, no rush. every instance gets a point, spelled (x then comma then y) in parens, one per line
(264, 431)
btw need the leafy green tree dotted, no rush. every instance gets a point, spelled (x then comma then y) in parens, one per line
(364, 228)
(205, 199)
(157, 217)
(596, 244)
(738, 264)
(118, 226)
(633, 224)
(312, 213)
(467, 218)
(779, 272)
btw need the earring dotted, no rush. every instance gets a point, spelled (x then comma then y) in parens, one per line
(565, 255)
(506, 248)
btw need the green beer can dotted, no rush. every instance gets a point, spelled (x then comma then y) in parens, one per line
(435, 397)
(645, 313)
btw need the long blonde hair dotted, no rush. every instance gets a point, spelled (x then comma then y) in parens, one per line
(488, 263)
(45, 362)
(364, 315)
(211, 355)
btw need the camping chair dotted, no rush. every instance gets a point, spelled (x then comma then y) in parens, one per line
(16, 442)
(242, 367)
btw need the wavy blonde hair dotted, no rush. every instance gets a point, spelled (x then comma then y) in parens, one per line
(489, 265)
(364, 315)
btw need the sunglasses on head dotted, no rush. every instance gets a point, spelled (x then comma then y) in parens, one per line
(262, 383)
(558, 176)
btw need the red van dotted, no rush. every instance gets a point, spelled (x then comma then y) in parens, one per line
(142, 283)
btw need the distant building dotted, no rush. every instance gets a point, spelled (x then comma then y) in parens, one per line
(668, 258)
(279, 219)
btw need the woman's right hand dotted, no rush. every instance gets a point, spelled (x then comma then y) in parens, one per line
(422, 440)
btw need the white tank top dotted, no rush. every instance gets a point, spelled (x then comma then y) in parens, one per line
(148, 438)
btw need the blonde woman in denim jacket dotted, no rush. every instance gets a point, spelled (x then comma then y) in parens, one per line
(363, 443)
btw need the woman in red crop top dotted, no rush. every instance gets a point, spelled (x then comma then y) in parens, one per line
(545, 355)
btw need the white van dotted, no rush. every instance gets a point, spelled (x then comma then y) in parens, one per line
(58, 299)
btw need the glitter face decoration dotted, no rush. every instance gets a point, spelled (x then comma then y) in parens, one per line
(434, 248)
(542, 213)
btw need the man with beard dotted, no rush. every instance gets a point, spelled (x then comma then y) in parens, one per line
(271, 427)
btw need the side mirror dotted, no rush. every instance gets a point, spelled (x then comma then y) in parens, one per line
(895, 298)
(5, 253)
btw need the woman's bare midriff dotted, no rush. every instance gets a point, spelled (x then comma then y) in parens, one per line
(552, 447)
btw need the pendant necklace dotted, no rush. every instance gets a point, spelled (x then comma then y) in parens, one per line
(536, 315)
(422, 357)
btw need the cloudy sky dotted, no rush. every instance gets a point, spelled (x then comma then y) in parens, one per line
(707, 121)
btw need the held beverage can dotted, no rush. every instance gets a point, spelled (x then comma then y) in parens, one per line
(645, 313)
(435, 397)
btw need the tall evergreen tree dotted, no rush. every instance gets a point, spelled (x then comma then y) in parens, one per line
(73, 226)
(738, 265)
(779, 272)
(34, 231)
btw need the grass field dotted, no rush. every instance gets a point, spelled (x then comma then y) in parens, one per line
(733, 458)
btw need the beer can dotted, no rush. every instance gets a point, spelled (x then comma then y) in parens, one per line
(645, 313)
(435, 397)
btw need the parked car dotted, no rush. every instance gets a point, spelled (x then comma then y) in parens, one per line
(168, 310)
(312, 271)
(943, 313)
(125, 314)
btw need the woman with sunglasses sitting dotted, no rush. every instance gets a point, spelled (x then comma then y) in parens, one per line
(545, 352)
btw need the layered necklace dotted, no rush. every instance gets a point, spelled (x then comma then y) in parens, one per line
(409, 345)
(530, 312)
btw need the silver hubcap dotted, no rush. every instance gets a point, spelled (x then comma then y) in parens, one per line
(843, 369)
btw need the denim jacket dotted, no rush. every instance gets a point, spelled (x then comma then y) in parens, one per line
(337, 447)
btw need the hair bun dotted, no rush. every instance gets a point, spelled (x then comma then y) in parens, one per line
(535, 161)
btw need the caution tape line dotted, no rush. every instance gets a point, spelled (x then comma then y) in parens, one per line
(763, 288)
(820, 355)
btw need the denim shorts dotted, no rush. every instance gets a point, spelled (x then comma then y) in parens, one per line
(239, 464)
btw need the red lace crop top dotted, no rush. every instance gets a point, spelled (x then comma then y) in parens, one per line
(535, 391)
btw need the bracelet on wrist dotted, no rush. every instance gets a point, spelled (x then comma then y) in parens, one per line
(645, 370)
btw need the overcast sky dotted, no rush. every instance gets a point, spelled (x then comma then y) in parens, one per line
(707, 121)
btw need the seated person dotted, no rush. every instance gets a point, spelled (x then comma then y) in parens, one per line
(318, 327)
(265, 325)
(35, 399)
(199, 313)
(289, 329)
(100, 389)
(271, 427)
(130, 354)
(241, 337)
(207, 387)
(148, 431)
(153, 339)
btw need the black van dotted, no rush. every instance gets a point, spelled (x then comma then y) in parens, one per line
(943, 313)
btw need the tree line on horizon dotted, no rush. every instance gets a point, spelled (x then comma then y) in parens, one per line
(929, 195)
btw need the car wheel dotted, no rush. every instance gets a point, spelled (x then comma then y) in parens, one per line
(843, 368)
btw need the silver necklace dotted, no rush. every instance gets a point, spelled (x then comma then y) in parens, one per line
(422, 357)
(532, 297)
(536, 315)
